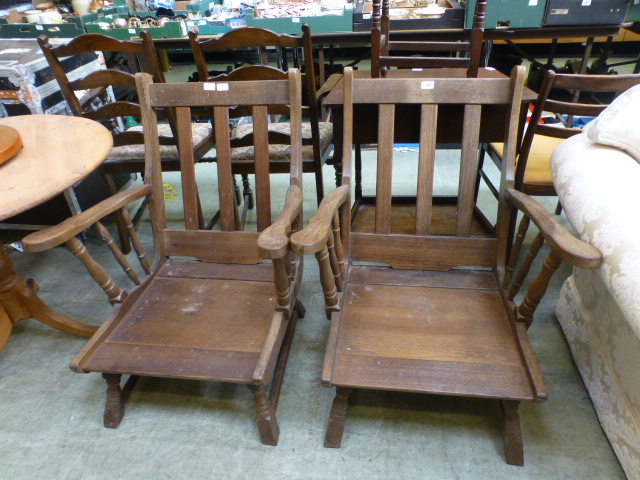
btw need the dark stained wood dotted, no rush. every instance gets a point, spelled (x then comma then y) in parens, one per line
(215, 313)
(259, 37)
(98, 83)
(429, 308)
(466, 54)
(591, 84)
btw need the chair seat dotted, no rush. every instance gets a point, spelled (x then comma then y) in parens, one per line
(281, 152)
(539, 163)
(201, 133)
(192, 320)
(429, 332)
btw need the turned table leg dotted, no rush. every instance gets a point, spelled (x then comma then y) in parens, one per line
(18, 300)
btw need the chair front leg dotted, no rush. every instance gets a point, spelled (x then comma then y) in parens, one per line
(335, 428)
(267, 422)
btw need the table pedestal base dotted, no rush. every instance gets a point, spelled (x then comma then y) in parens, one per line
(19, 300)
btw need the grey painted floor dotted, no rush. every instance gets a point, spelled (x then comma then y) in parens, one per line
(51, 418)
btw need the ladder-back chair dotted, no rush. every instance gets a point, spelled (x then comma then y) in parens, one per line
(317, 135)
(533, 171)
(440, 317)
(212, 308)
(127, 155)
(467, 53)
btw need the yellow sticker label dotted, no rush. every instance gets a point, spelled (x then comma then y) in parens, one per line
(169, 191)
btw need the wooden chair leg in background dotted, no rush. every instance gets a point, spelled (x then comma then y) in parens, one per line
(267, 422)
(335, 428)
(247, 193)
(110, 185)
(514, 451)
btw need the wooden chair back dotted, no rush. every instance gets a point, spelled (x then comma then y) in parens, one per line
(566, 110)
(262, 38)
(230, 245)
(424, 250)
(468, 52)
(96, 83)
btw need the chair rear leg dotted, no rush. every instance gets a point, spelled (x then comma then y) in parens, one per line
(267, 422)
(123, 235)
(513, 446)
(335, 428)
(114, 406)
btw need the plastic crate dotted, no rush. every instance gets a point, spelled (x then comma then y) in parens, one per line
(453, 17)
(168, 30)
(205, 28)
(293, 25)
(34, 30)
(633, 15)
(509, 13)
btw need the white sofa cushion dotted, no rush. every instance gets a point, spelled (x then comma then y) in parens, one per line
(618, 125)
(599, 189)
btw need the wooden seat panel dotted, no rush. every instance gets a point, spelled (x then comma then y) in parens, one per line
(411, 335)
(190, 319)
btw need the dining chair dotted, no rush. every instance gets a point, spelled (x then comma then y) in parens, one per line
(317, 133)
(433, 311)
(218, 305)
(533, 170)
(466, 54)
(84, 93)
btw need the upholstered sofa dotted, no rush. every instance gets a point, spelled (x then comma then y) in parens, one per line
(599, 310)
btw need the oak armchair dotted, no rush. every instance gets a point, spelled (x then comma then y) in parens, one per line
(217, 305)
(433, 312)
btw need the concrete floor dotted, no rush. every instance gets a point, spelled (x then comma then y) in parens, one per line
(51, 418)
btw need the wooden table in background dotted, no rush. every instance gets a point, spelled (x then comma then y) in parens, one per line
(58, 152)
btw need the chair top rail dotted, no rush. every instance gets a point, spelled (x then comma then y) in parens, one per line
(263, 92)
(436, 90)
(595, 83)
(248, 37)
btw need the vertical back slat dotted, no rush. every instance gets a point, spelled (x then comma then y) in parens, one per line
(347, 153)
(468, 169)
(225, 180)
(386, 116)
(188, 168)
(426, 163)
(261, 150)
(295, 97)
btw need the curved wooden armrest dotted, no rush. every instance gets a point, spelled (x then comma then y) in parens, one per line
(331, 82)
(69, 228)
(273, 242)
(562, 241)
(316, 234)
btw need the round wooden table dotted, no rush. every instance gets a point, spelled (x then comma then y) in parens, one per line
(59, 151)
